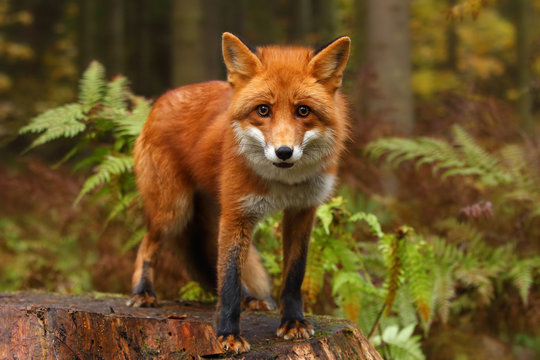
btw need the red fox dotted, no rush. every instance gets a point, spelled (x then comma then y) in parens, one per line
(267, 139)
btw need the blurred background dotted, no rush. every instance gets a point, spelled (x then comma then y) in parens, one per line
(445, 115)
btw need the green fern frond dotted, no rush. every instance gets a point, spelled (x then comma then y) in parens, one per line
(193, 291)
(417, 262)
(521, 276)
(466, 158)
(422, 150)
(111, 167)
(525, 174)
(63, 121)
(92, 85)
(358, 298)
(400, 344)
(133, 240)
(131, 124)
(479, 159)
(372, 221)
(122, 204)
(314, 277)
(444, 291)
(116, 94)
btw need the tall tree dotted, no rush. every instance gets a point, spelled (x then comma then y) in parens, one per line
(118, 39)
(87, 50)
(188, 45)
(388, 51)
(524, 47)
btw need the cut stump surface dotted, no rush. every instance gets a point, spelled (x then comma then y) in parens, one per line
(52, 326)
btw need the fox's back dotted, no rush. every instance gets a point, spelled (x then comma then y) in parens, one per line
(184, 131)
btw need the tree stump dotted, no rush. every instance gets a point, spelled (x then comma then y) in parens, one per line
(51, 326)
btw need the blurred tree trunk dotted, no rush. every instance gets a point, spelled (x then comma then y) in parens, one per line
(301, 13)
(142, 35)
(118, 39)
(451, 41)
(212, 35)
(388, 50)
(87, 49)
(187, 47)
(524, 46)
(327, 20)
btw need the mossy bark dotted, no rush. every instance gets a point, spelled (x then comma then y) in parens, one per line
(43, 326)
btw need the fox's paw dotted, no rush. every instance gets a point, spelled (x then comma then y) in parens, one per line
(144, 299)
(234, 343)
(251, 303)
(295, 329)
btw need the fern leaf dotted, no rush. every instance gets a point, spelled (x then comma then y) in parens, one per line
(63, 121)
(131, 124)
(92, 85)
(401, 344)
(133, 240)
(51, 117)
(416, 264)
(479, 159)
(112, 166)
(392, 249)
(522, 278)
(314, 278)
(116, 94)
(371, 220)
(122, 204)
(444, 291)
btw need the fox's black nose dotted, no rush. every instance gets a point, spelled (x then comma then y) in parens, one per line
(284, 152)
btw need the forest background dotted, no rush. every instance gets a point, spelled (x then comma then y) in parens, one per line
(445, 115)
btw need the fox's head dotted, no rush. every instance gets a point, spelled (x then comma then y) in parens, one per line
(287, 114)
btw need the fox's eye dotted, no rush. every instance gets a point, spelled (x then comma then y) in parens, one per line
(303, 111)
(263, 110)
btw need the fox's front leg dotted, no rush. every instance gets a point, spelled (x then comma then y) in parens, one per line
(297, 225)
(233, 248)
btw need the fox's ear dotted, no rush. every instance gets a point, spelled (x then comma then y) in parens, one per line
(239, 59)
(328, 63)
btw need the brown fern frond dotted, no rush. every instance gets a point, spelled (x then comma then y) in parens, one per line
(394, 268)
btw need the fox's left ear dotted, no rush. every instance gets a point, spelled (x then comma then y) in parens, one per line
(328, 63)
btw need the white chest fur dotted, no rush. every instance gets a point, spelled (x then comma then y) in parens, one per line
(309, 193)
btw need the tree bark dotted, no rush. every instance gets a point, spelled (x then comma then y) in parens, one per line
(118, 38)
(388, 49)
(524, 47)
(87, 33)
(187, 47)
(50, 326)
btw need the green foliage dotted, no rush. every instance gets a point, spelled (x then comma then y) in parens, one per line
(104, 111)
(64, 121)
(34, 256)
(389, 271)
(470, 269)
(400, 344)
(110, 167)
(508, 173)
(192, 291)
(462, 158)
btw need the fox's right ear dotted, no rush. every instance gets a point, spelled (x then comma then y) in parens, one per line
(240, 61)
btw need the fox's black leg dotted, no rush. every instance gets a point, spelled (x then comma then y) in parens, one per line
(297, 226)
(233, 247)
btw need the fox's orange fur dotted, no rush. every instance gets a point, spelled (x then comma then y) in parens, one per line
(221, 139)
